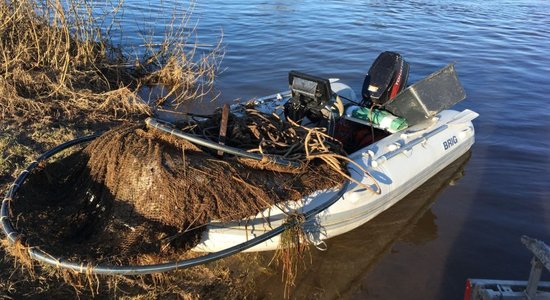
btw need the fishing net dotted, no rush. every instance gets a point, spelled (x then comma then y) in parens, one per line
(136, 190)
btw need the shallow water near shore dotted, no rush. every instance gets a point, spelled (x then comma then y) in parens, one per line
(469, 229)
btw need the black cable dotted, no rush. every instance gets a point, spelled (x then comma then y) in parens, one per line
(166, 127)
(348, 99)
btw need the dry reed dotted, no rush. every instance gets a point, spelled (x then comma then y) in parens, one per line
(57, 59)
(60, 74)
(291, 251)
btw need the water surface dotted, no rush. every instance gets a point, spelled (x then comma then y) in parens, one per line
(469, 229)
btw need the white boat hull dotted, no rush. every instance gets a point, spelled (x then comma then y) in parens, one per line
(399, 163)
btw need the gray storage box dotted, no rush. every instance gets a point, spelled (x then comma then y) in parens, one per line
(424, 99)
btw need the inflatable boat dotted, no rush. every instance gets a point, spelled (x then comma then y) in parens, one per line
(396, 164)
(396, 137)
(400, 163)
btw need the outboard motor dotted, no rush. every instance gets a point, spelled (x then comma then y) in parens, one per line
(386, 78)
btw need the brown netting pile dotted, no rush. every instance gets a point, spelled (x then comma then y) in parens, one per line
(136, 190)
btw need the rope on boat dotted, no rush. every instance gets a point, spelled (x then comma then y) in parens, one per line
(279, 160)
(59, 262)
(314, 140)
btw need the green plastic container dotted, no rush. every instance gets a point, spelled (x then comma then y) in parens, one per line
(381, 118)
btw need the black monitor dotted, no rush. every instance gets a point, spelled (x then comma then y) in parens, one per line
(309, 86)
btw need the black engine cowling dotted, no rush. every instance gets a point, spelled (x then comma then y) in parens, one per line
(386, 78)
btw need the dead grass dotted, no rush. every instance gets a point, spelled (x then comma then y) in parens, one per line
(59, 68)
(12, 153)
(178, 67)
(21, 253)
(56, 61)
(213, 281)
(292, 251)
(60, 78)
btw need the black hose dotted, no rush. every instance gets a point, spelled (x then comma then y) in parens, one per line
(348, 99)
(165, 127)
(89, 268)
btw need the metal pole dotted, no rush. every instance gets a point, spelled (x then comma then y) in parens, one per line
(534, 279)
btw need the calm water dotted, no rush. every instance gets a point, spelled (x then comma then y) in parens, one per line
(424, 248)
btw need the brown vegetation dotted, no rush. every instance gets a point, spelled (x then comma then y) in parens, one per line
(56, 62)
(136, 191)
(61, 77)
